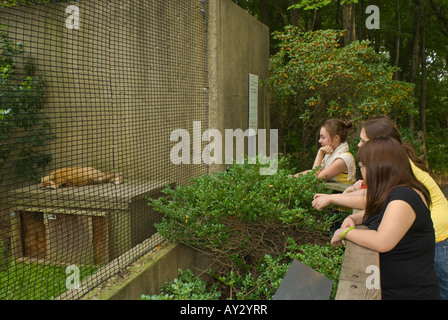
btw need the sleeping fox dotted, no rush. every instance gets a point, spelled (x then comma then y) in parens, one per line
(77, 177)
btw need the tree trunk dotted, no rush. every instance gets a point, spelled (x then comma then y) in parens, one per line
(264, 12)
(415, 51)
(397, 39)
(422, 106)
(294, 13)
(416, 37)
(348, 20)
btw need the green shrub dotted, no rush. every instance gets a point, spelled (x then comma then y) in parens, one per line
(24, 127)
(325, 259)
(261, 283)
(264, 280)
(437, 146)
(186, 287)
(238, 215)
(253, 225)
(312, 77)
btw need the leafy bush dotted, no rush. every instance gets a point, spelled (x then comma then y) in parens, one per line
(238, 215)
(24, 128)
(261, 283)
(266, 277)
(437, 146)
(325, 259)
(186, 287)
(313, 77)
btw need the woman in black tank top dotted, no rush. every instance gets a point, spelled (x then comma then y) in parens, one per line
(399, 222)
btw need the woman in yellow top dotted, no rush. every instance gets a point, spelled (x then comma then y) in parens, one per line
(383, 126)
(334, 159)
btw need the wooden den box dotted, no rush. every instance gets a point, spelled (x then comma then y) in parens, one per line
(88, 225)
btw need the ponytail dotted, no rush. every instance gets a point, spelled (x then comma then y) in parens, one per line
(338, 127)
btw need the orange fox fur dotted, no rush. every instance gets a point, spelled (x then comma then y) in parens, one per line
(77, 177)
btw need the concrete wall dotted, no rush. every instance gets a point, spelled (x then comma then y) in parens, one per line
(135, 71)
(238, 46)
(120, 84)
(146, 275)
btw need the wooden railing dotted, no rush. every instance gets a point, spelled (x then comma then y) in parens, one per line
(358, 273)
(358, 268)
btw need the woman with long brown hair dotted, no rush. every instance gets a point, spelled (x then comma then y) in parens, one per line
(399, 222)
(384, 126)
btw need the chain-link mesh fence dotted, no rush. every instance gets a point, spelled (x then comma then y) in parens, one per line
(89, 94)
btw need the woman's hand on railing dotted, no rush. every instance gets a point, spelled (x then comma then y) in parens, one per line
(348, 223)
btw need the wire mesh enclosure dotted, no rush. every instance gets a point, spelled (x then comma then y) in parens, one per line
(89, 94)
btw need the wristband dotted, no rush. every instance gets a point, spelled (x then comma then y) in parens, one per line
(345, 232)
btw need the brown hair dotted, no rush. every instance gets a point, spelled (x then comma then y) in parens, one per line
(338, 127)
(384, 126)
(387, 166)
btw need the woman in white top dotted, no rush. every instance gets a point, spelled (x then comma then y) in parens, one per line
(334, 159)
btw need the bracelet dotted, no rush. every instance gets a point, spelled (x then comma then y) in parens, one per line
(345, 232)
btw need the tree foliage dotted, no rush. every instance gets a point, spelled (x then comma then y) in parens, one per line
(313, 77)
(412, 33)
(24, 128)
